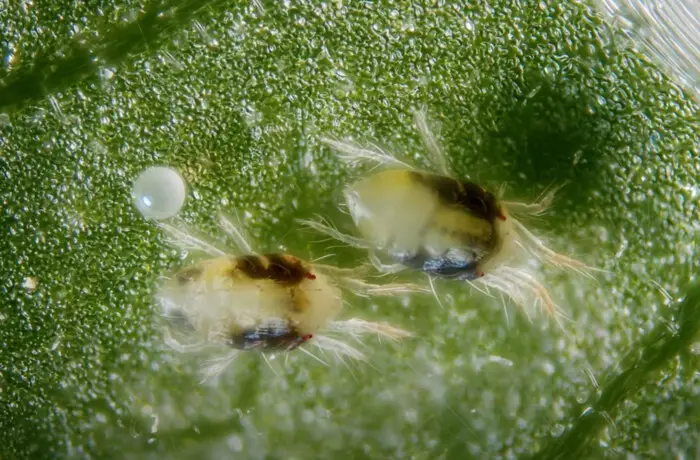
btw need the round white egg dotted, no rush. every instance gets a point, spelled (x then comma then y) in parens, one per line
(159, 192)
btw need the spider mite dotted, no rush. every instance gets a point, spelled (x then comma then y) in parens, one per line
(244, 301)
(443, 226)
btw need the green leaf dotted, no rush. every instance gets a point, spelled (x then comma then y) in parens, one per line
(235, 96)
(656, 349)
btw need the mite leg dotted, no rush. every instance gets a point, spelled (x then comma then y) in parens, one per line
(173, 343)
(535, 246)
(362, 270)
(362, 288)
(534, 209)
(434, 292)
(212, 368)
(173, 317)
(508, 287)
(437, 157)
(337, 272)
(338, 347)
(356, 327)
(510, 291)
(384, 268)
(352, 153)
(234, 231)
(307, 352)
(539, 207)
(183, 238)
(322, 226)
(349, 278)
(522, 279)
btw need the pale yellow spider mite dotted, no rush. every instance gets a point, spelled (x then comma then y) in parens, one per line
(243, 301)
(443, 226)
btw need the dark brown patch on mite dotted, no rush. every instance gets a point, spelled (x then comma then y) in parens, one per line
(187, 275)
(470, 196)
(280, 268)
(252, 266)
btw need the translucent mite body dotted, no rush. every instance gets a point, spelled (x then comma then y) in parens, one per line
(261, 302)
(441, 225)
(253, 302)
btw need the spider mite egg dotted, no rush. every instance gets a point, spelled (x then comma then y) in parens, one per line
(159, 192)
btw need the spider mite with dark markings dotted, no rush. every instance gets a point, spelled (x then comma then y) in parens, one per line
(443, 226)
(245, 301)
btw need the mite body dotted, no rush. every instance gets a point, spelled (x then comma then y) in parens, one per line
(265, 302)
(441, 225)
(240, 300)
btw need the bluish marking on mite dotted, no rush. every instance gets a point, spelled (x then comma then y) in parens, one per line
(268, 336)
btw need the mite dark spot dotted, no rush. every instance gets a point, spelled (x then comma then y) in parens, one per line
(252, 266)
(459, 268)
(272, 335)
(470, 196)
(280, 268)
(285, 269)
(187, 275)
